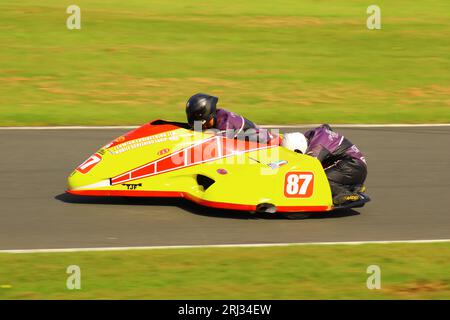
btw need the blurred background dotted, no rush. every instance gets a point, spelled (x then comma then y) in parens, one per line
(279, 62)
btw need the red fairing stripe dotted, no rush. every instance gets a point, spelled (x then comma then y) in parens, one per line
(147, 170)
(121, 178)
(207, 203)
(143, 131)
(208, 150)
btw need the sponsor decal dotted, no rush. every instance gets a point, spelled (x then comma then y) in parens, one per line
(90, 163)
(120, 139)
(163, 151)
(141, 142)
(277, 164)
(132, 186)
(101, 151)
(222, 171)
(353, 197)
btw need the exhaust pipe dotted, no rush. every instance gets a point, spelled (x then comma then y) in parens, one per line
(266, 208)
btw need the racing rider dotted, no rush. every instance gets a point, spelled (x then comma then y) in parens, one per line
(344, 165)
(202, 108)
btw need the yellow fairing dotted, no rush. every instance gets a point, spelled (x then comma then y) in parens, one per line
(235, 175)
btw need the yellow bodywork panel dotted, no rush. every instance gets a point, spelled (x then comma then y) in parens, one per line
(209, 169)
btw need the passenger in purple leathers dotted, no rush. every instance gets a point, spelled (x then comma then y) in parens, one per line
(344, 164)
(202, 108)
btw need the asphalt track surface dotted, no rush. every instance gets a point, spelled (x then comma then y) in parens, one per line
(408, 180)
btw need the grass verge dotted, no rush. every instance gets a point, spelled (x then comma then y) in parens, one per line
(285, 62)
(408, 271)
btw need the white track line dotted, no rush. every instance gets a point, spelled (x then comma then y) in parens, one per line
(395, 125)
(258, 245)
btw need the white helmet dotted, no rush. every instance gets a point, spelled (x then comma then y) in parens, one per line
(295, 141)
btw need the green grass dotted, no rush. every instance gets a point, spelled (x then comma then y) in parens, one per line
(408, 271)
(287, 61)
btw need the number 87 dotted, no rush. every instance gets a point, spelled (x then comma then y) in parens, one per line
(299, 184)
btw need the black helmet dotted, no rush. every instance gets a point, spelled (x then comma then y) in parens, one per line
(201, 107)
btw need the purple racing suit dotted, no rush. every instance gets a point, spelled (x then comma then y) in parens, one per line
(329, 146)
(236, 126)
(344, 164)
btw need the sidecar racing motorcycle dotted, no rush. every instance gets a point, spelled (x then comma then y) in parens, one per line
(168, 159)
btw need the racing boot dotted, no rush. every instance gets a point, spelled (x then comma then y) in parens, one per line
(345, 197)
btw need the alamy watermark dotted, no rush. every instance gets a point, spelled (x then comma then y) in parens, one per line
(73, 281)
(373, 21)
(229, 147)
(73, 22)
(374, 280)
